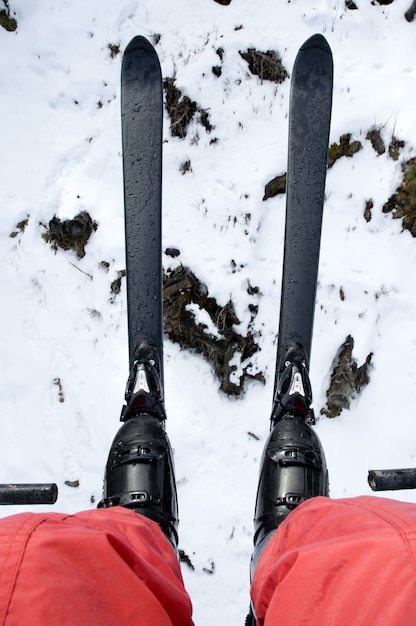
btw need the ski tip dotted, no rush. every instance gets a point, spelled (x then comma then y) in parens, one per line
(316, 41)
(139, 43)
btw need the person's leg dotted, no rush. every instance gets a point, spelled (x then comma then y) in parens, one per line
(96, 568)
(117, 564)
(293, 467)
(343, 562)
(292, 471)
(319, 561)
(140, 472)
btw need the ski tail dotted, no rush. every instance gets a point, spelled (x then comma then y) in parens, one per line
(309, 123)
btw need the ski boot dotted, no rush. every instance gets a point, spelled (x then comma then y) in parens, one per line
(293, 467)
(139, 473)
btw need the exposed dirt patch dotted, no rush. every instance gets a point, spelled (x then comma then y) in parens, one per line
(411, 12)
(347, 379)
(402, 204)
(182, 288)
(20, 228)
(345, 147)
(369, 205)
(376, 140)
(8, 22)
(266, 65)
(114, 49)
(275, 187)
(394, 148)
(182, 109)
(70, 234)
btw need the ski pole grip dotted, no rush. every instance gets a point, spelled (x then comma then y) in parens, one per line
(392, 479)
(32, 493)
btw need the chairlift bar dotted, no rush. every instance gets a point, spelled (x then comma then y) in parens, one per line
(392, 479)
(32, 493)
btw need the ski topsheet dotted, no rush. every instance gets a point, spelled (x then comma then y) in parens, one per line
(309, 122)
(141, 120)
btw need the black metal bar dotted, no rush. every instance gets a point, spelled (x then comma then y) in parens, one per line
(392, 479)
(32, 493)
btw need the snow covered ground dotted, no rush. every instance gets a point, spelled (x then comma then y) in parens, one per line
(62, 339)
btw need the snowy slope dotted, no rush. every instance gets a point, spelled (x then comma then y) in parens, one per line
(61, 153)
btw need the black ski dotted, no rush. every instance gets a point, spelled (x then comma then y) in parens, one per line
(141, 121)
(309, 121)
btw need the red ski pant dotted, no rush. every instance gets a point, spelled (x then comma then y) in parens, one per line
(349, 562)
(332, 562)
(106, 567)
